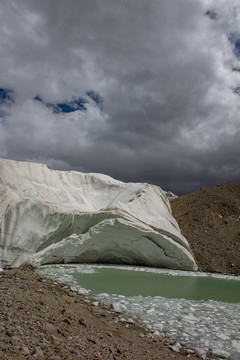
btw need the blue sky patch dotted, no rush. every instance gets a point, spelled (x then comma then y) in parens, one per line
(98, 99)
(6, 96)
(212, 14)
(237, 90)
(67, 106)
(235, 40)
(73, 105)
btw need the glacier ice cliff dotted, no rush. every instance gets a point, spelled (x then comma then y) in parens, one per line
(49, 216)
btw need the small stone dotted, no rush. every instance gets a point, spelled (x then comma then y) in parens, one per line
(161, 336)
(39, 353)
(190, 351)
(122, 320)
(202, 353)
(56, 340)
(82, 322)
(9, 333)
(174, 348)
(92, 341)
(50, 329)
(15, 340)
(112, 349)
(24, 350)
(67, 321)
(115, 308)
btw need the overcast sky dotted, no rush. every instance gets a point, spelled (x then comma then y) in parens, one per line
(160, 81)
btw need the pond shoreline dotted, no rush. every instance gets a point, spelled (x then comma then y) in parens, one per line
(43, 319)
(196, 309)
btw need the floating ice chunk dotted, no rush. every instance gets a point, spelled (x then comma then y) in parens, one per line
(158, 326)
(130, 321)
(82, 291)
(176, 347)
(236, 344)
(190, 318)
(223, 336)
(190, 331)
(202, 353)
(220, 353)
(104, 295)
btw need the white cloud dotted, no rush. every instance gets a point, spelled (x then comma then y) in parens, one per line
(163, 68)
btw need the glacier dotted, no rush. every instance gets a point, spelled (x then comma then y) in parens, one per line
(50, 216)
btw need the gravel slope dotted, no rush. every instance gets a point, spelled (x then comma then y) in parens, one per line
(40, 319)
(210, 221)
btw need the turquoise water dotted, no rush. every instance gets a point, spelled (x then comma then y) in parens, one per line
(201, 310)
(132, 283)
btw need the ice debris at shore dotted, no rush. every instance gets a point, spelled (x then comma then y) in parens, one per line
(205, 326)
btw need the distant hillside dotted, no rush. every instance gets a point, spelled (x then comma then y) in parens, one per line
(210, 220)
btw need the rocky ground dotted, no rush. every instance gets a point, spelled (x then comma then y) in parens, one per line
(210, 220)
(40, 319)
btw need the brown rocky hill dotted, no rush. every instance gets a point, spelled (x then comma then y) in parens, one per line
(210, 221)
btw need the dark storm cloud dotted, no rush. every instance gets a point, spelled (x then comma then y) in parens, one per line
(157, 76)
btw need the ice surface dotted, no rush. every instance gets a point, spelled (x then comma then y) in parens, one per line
(49, 216)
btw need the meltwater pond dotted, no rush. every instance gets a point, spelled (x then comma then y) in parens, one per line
(202, 310)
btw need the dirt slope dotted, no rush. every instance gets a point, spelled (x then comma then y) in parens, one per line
(43, 320)
(210, 220)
